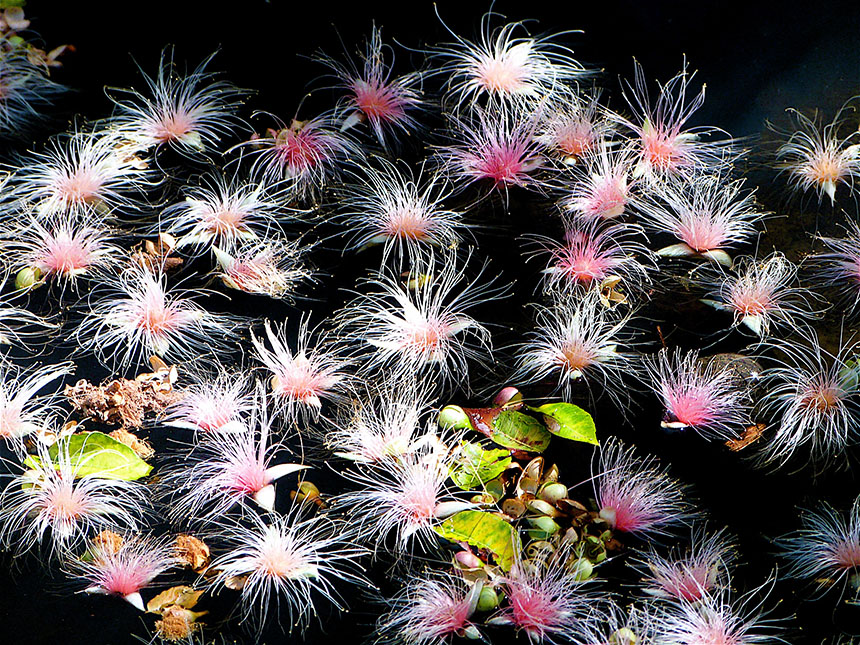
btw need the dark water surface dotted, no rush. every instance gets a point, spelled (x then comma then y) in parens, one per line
(756, 58)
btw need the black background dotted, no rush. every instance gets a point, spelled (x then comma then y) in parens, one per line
(757, 58)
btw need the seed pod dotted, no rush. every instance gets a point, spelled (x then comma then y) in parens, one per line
(513, 507)
(488, 599)
(542, 508)
(551, 492)
(543, 528)
(580, 568)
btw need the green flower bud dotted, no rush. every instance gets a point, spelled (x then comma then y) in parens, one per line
(580, 568)
(452, 417)
(488, 600)
(28, 278)
(542, 528)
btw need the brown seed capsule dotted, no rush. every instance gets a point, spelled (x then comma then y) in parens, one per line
(551, 474)
(571, 507)
(140, 447)
(513, 507)
(192, 551)
(534, 469)
(552, 492)
(177, 624)
(108, 542)
(542, 508)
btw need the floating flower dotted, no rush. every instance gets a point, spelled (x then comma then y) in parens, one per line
(190, 112)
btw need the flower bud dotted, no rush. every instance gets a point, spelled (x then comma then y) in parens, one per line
(468, 560)
(542, 528)
(28, 278)
(580, 568)
(452, 417)
(552, 492)
(623, 636)
(488, 600)
(542, 508)
(508, 397)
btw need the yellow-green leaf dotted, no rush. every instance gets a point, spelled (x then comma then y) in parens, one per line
(519, 431)
(569, 421)
(96, 454)
(477, 466)
(483, 531)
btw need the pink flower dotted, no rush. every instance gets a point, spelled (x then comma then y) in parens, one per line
(572, 126)
(634, 495)
(430, 610)
(125, 571)
(22, 411)
(216, 403)
(811, 398)
(421, 328)
(306, 153)
(716, 618)
(545, 600)
(839, 267)
(601, 188)
(300, 380)
(496, 146)
(190, 112)
(687, 577)
(697, 395)
(387, 205)
(286, 558)
(224, 212)
(817, 158)
(706, 214)
(401, 497)
(593, 254)
(66, 248)
(665, 148)
(505, 67)
(761, 293)
(578, 340)
(382, 424)
(827, 549)
(386, 103)
(270, 267)
(222, 470)
(141, 316)
(79, 174)
(54, 502)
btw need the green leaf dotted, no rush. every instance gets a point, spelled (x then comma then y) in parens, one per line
(477, 466)
(98, 455)
(569, 421)
(849, 375)
(519, 431)
(484, 531)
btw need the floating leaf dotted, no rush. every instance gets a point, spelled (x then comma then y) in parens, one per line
(519, 431)
(182, 596)
(849, 375)
(478, 466)
(484, 531)
(98, 455)
(569, 421)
